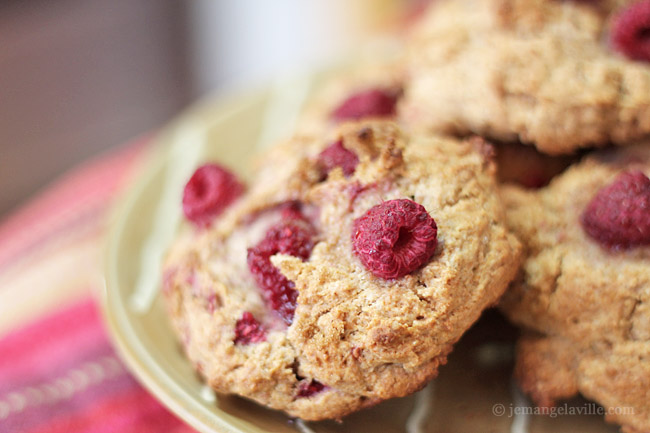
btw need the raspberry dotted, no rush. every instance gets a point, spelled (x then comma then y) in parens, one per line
(292, 237)
(394, 238)
(367, 103)
(248, 330)
(291, 210)
(338, 156)
(619, 214)
(631, 31)
(307, 389)
(209, 192)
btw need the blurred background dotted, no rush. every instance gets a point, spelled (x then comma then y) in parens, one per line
(80, 76)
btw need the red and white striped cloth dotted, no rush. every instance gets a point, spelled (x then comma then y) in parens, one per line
(59, 373)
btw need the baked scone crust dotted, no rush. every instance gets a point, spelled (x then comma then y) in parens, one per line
(586, 305)
(365, 338)
(538, 71)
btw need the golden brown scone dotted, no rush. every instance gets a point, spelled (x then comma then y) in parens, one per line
(542, 72)
(585, 284)
(617, 376)
(356, 338)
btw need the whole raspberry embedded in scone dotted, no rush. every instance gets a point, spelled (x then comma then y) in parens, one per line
(394, 238)
(248, 330)
(619, 214)
(367, 103)
(293, 237)
(631, 31)
(335, 155)
(210, 190)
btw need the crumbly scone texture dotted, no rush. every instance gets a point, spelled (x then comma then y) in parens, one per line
(588, 306)
(366, 339)
(538, 71)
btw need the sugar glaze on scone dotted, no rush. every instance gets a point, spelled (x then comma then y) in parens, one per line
(355, 338)
(543, 72)
(584, 290)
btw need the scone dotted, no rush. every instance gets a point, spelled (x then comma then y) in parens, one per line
(584, 290)
(558, 74)
(346, 273)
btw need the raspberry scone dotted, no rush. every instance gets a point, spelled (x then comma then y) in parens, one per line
(558, 74)
(346, 273)
(584, 290)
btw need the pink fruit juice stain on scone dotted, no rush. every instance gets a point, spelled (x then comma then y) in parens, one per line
(367, 103)
(210, 190)
(631, 31)
(618, 216)
(394, 238)
(357, 189)
(295, 237)
(169, 274)
(212, 303)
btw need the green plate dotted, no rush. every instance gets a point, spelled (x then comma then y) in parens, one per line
(468, 396)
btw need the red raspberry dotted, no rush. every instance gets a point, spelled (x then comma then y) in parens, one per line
(631, 31)
(338, 156)
(291, 210)
(293, 237)
(307, 389)
(248, 330)
(209, 192)
(619, 214)
(394, 238)
(367, 103)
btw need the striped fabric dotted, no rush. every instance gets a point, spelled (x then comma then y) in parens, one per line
(59, 373)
